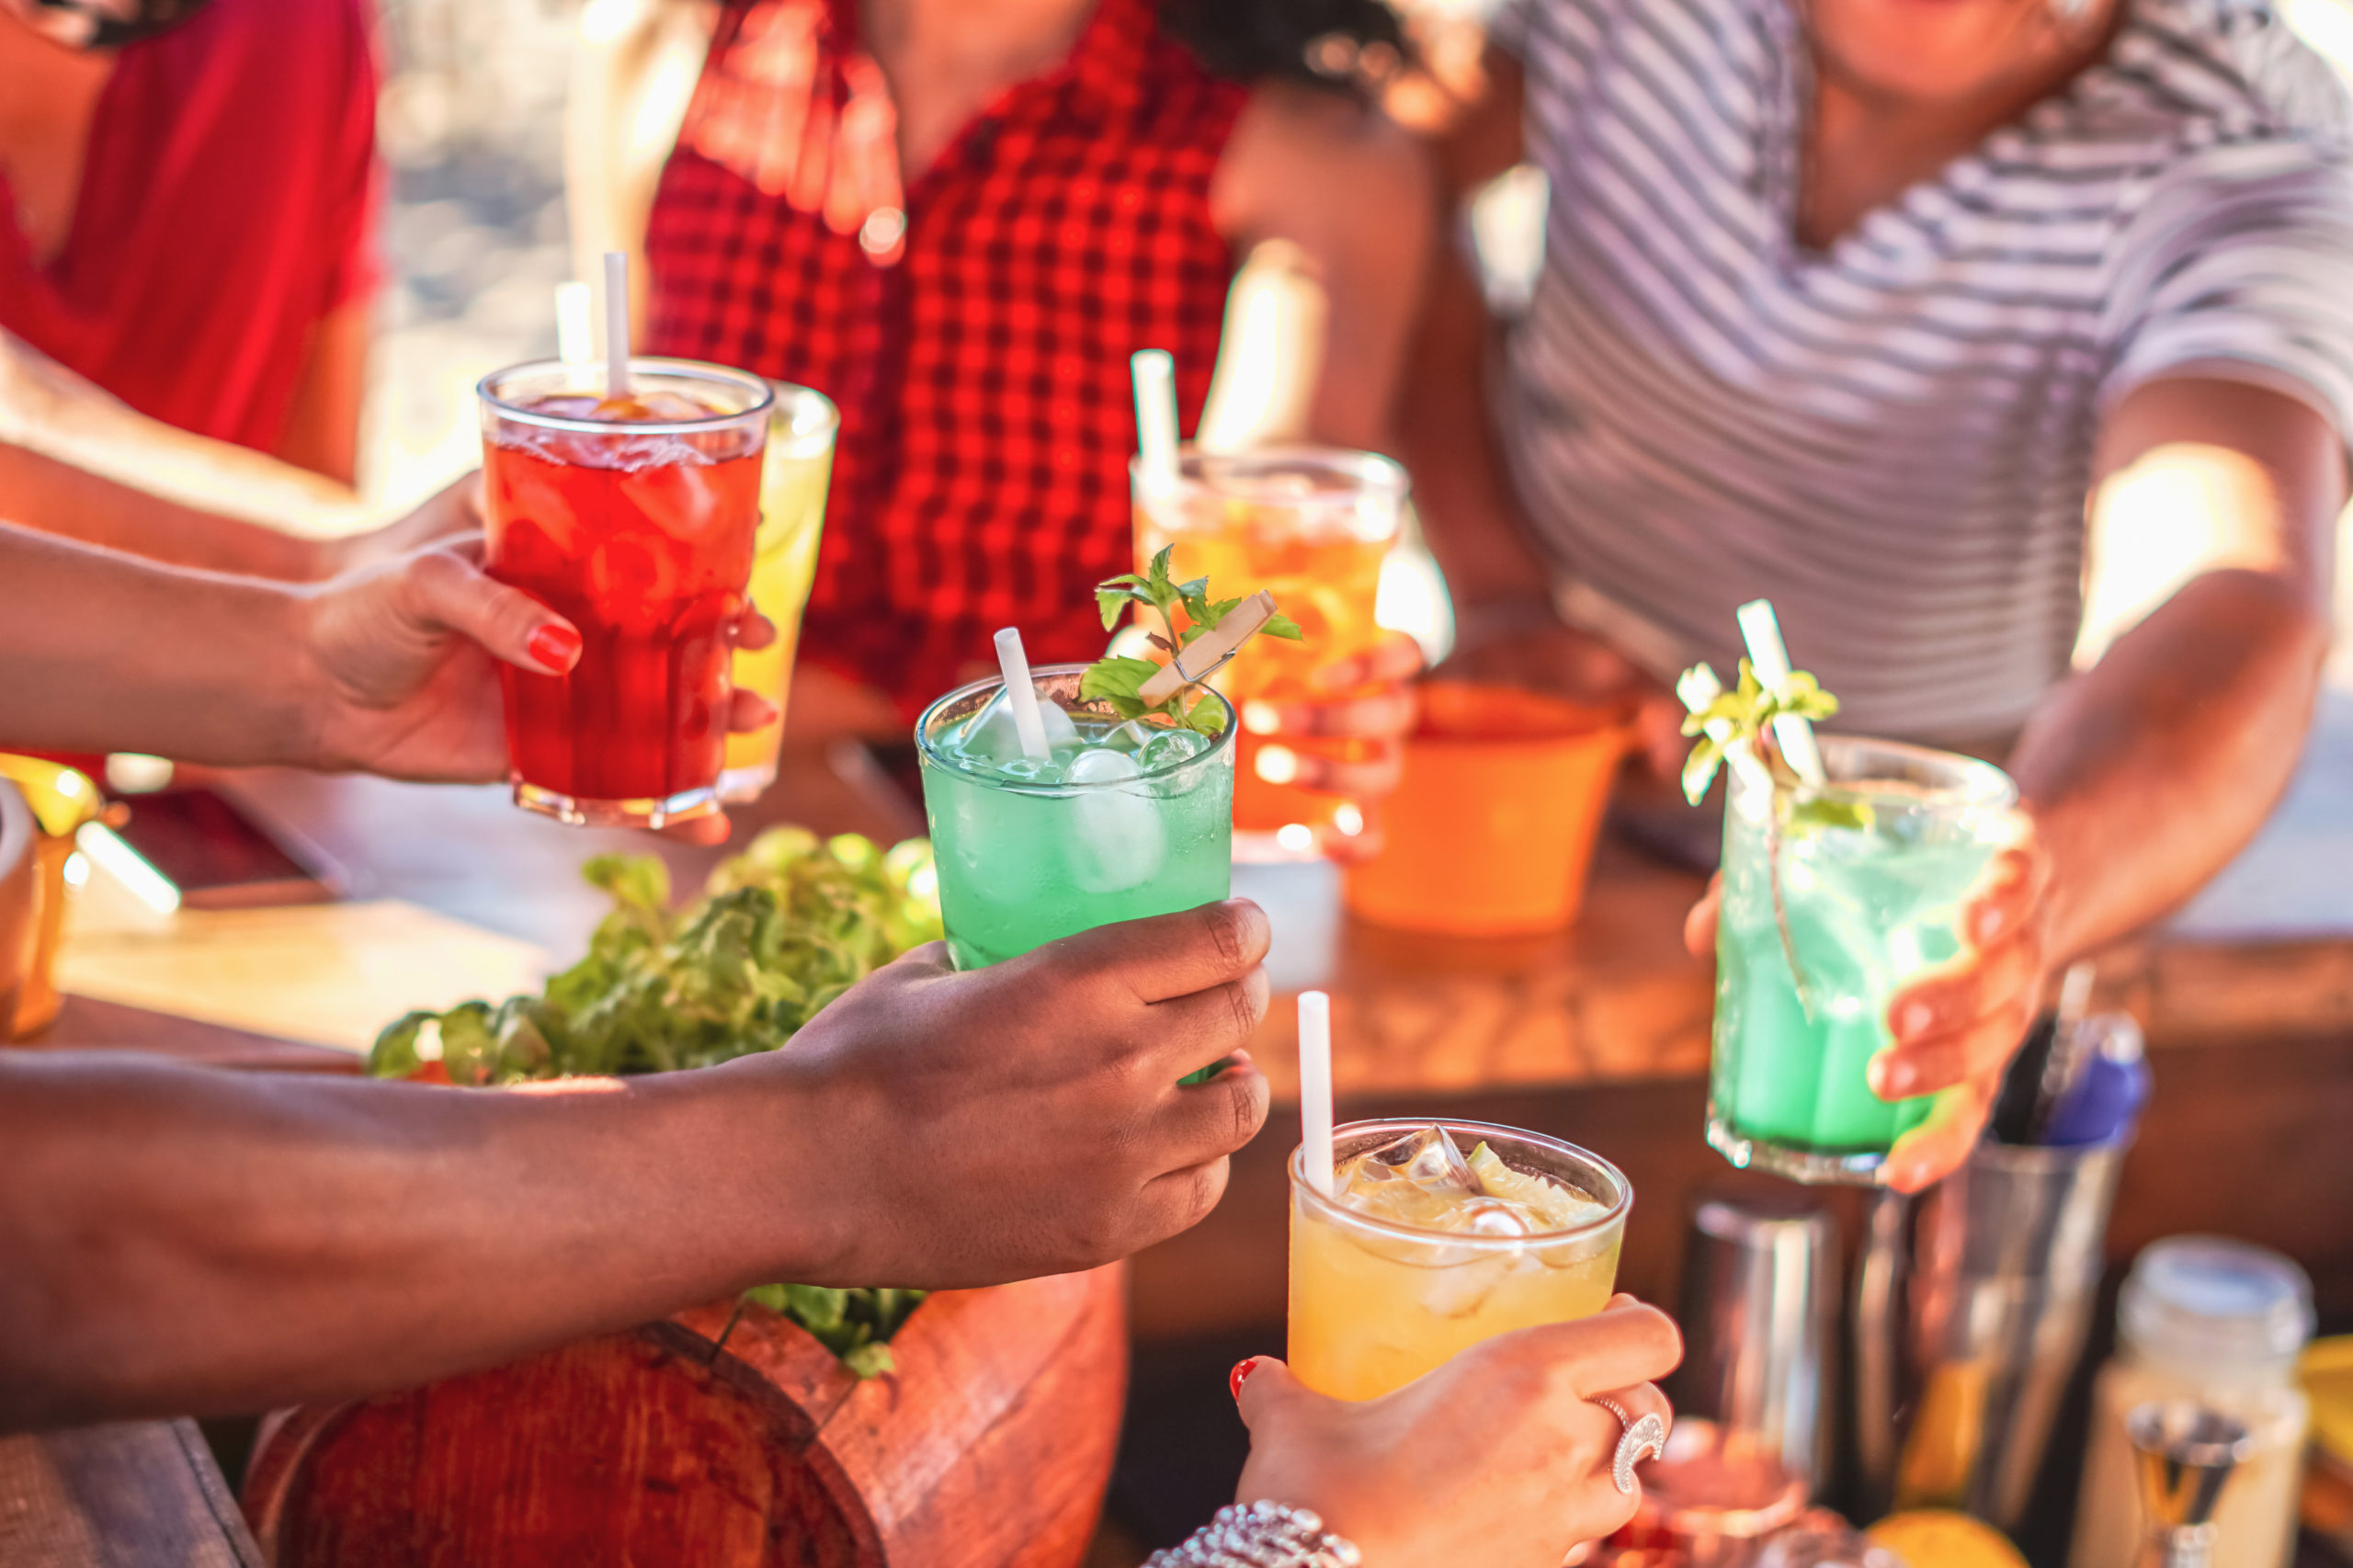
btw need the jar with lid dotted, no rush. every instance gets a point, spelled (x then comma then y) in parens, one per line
(2219, 1322)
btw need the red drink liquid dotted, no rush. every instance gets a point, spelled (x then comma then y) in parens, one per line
(643, 541)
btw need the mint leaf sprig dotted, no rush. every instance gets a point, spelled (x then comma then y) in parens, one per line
(1119, 680)
(1731, 726)
(1725, 720)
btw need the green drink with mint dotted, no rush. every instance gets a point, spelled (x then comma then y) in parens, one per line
(1836, 893)
(1120, 806)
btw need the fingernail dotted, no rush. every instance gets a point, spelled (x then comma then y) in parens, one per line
(554, 647)
(1914, 1019)
(1261, 717)
(1988, 924)
(1890, 1079)
(1240, 1374)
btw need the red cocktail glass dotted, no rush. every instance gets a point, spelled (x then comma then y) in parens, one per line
(635, 520)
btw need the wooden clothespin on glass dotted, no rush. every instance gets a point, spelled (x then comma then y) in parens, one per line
(1211, 650)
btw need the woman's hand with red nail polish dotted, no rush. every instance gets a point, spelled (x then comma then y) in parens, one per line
(1498, 1458)
(554, 647)
(399, 665)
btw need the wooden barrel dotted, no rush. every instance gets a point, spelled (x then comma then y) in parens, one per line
(989, 1447)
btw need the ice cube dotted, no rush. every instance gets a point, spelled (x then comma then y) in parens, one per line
(1100, 766)
(1131, 737)
(1118, 841)
(1420, 1179)
(1032, 769)
(1496, 1216)
(1459, 1289)
(1543, 1202)
(1429, 1159)
(1168, 747)
(990, 736)
(659, 405)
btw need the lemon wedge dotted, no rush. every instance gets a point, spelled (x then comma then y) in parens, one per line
(1556, 1207)
(1938, 1538)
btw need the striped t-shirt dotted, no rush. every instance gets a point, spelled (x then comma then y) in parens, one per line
(1893, 438)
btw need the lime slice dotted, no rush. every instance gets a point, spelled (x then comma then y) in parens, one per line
(1557, 1207)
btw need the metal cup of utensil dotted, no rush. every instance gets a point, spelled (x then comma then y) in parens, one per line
(1760, 1317)
(1972, 1303)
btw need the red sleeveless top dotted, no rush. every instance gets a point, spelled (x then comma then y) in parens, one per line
(981, 478)
(227, 206)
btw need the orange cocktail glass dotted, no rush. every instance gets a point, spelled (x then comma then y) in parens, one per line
(1312, 526)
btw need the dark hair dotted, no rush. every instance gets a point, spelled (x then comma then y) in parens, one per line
(108, 32)
(1355, 44)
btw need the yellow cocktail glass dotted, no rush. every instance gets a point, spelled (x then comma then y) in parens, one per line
(1312, 526)
(792, 517)
(1375, 1304)
(62, 798)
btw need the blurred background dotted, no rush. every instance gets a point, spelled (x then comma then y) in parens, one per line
(472, 128)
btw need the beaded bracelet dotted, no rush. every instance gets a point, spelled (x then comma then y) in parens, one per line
(1263, 1535)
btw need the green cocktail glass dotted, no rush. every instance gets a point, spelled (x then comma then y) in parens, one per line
(1872, 868)
(1028, 852)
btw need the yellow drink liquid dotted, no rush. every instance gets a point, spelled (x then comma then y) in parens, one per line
(1375, 1304)
(1312, 527)
(793, 516)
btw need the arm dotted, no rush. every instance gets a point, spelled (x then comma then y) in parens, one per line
(40, 491)
(1329, 199)
(2149, 771)
(1470, 517)
(633, 70)
(184, 1240)
(1507, 628)
(391, 669)
(322, 428)
(1349, 194)
(2141, 776)
(75, 462)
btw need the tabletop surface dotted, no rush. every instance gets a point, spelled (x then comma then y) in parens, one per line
(1614, 998)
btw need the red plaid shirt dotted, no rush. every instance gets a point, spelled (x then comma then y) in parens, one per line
(982, 475)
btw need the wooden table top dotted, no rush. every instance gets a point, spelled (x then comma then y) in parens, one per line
(1613, 999)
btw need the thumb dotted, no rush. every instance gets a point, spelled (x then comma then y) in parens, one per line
(1699, 925)
(444, 592)
(1263, 1386)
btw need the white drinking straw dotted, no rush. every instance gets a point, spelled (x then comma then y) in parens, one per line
(576, 324)
(1019, 694)
(616, 324)
(1769, 657)
(1155, 377)
(1316, 1088)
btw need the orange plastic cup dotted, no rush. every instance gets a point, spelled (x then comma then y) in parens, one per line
(1493, 826)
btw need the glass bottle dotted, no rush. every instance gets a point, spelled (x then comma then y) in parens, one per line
(2219, 1322)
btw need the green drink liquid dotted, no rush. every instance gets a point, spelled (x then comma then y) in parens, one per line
(1871, 898)
(1123, 820)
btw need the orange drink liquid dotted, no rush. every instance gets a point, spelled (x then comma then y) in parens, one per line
(1413, 1260)
(1312, 526)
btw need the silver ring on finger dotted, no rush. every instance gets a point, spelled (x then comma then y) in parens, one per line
(1637, 1441)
